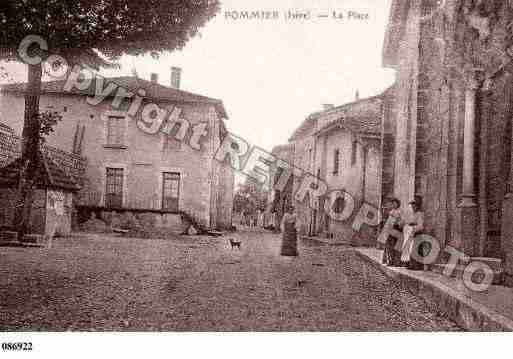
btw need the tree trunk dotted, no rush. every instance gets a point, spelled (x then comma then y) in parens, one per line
(29, 150)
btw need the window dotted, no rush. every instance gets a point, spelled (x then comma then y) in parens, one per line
(115, 131)
(336, 156)
(170, 191)
(114, 188)
(354, 149)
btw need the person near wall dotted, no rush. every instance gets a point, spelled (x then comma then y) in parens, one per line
(391, 256)
(261, 221)
(289, 229)
(414, 225)
(244, 218)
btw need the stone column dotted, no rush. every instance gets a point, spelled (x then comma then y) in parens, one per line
(469, 134)
(507, 204)
(468, 210)
(507, 230)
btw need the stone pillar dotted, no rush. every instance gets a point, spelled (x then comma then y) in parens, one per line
(468, 210)
(469, 135)
(507, 204)
(486, 116)
(507, 235)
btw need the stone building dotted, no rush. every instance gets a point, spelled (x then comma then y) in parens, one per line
(453, 118)
(166, 171)
(278, 200)
(348, 156)
(350, 148)
(303, 142)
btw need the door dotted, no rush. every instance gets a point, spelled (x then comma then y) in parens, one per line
(170, 191)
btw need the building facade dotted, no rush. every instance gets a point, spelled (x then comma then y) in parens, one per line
(453, 119)
(349, 147)
(279, 200)
(166, 171)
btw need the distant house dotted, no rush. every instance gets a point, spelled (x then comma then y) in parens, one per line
(280, 199)
(350, 155)
(129, 170)
(348, 147)
(303, 142)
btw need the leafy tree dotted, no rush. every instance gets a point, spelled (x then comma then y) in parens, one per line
(93, 33)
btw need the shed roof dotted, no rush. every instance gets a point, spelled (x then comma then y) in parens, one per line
(49, 175)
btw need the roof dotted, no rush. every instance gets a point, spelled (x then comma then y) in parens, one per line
(153, 91)
(281, 148)
(362, 125)
(48, 175)
(284, 152)
(304, 128)
(368, 110)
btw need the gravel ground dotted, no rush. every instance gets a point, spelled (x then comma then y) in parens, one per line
(199, 283)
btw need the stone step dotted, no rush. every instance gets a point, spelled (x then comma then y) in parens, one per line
(458, 270)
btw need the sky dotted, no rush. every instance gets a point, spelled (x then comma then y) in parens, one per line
(271, 74)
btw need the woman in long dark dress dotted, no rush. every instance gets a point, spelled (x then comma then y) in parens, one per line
(391, 256)
(289, 225)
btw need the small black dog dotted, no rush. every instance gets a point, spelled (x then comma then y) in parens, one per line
(234, 243)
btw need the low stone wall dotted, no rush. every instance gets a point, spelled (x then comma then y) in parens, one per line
(137, 223)
(460, 308)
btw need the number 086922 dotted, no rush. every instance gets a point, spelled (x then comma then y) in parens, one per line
(16, 346)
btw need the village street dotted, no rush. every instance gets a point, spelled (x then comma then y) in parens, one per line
(92, 282)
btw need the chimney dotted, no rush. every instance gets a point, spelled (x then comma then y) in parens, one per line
(357, 96)
(154, 78)
(328, 106)
(176, 74)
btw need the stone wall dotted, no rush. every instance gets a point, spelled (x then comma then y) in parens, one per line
(278, 200)
(447, 59)
(9, 199)
(304, 160)
(59, 207)
(361, 178)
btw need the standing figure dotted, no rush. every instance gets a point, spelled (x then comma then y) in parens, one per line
(391, 254)
(414, 225)
(289, 225)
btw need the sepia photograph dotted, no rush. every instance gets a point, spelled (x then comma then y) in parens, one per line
(258, 174)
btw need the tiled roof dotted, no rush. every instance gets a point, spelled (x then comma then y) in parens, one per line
(281, 148)
(364, 125)
(366, 109)
(284, 152)
(133, 84)
(49, 175)
(362, 116)
(66, 169)
(305, 128)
